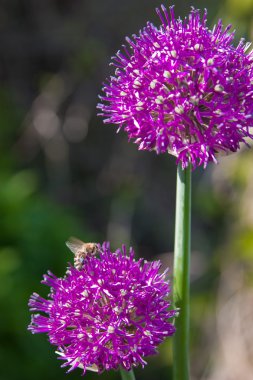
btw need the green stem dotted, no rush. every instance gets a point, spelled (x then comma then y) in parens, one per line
(181, 284)
(127, 375)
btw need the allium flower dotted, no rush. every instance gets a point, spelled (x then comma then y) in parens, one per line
(112, 312)
(183, 89)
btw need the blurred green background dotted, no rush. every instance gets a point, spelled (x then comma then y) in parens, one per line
(63, 173)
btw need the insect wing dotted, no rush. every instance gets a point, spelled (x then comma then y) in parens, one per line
(75, 245)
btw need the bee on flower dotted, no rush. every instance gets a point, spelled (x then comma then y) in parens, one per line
(110, 313)
(81, 250)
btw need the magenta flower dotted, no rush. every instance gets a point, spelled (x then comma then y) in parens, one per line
(182, 89)
(112, 312)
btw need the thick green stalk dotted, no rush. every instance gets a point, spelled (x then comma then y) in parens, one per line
(181, 281)
(127, 375)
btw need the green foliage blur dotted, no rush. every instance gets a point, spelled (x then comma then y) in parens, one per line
(63, 173)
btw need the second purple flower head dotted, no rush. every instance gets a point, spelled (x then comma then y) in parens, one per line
(183, 89)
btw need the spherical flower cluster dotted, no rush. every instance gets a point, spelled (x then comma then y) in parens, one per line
(112, 312)
(182, 89)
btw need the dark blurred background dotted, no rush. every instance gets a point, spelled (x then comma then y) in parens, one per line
(63, 173)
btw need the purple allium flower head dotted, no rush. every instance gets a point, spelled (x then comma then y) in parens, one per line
(182, 88)
(112, 312)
